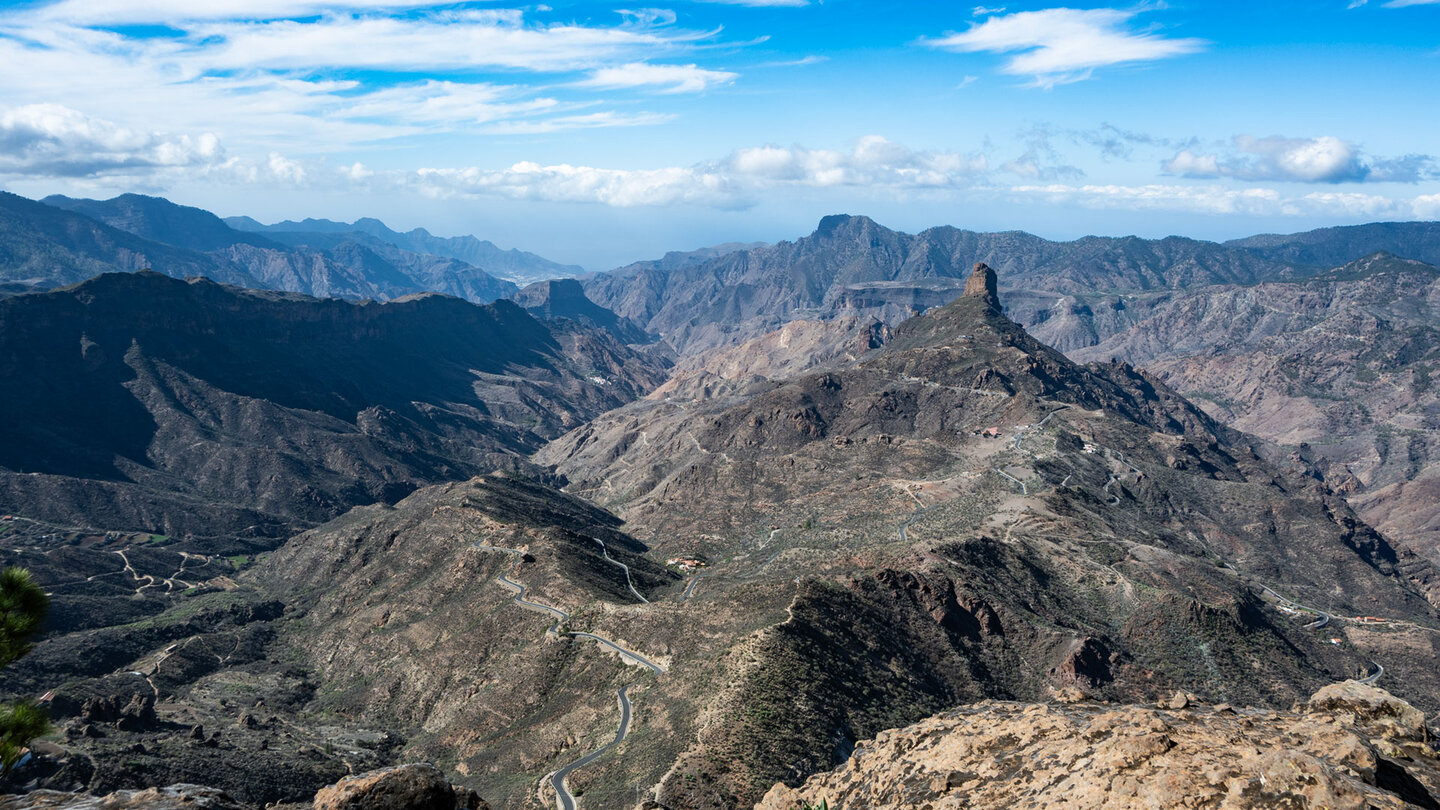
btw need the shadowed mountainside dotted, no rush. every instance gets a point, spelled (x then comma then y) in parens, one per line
(565, 298)
(42, 247)
(141, 402)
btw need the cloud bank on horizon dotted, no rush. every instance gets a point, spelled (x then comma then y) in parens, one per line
(1031, 112)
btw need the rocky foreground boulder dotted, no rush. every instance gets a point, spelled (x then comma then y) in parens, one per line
(1350, 746)
(403, 787)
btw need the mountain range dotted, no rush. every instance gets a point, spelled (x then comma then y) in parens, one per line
(853, 265)
(670, 535)
(355, 268)
(512, 265)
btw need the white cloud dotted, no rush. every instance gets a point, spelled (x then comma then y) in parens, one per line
(563, 123)
(1196, 199)
(667, 78)
(566, 183)
(761, 3)
(284, 169)
(874, 164)
(1188, 164)
(442, 102)
(1325, 159)
(51, 140)
(803, 61)
(460, 41)
(1222, 200)
(1062, 45)
(120, 12)
(263, 85)
(1426, 206)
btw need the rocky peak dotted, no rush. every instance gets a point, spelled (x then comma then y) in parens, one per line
(565, 298)
(840, 226)
(984, 285)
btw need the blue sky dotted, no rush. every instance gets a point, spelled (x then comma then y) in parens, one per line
(599, 133)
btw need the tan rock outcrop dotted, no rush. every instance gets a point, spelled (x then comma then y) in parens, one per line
(1351, 746)
(403, 787)
(983, 284)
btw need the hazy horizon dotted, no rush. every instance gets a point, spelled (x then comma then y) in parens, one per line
(598, 135)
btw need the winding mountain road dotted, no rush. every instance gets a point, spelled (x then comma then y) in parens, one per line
(557, 779)
(629, 583)
(563, 798)
(690, 589)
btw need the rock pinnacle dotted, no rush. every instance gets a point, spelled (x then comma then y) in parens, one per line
(982, 284)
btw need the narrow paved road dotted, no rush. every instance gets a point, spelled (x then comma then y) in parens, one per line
(563, 799)
(690, 589)
(1024, 490)
(1322, 619)
(629, 583)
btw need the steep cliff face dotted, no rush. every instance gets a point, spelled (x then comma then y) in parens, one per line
(565, 298)
(139, 401)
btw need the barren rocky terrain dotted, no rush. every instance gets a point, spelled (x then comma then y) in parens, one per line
(1337, 368)
(792, 546)
(1348, 746)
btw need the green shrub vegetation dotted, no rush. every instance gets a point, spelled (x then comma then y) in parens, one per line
(22, 611)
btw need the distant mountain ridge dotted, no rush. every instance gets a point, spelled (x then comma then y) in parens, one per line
(1332, 247)
(1339, 366)
(343, 267)
(513, 265)
(852, 265)
(847, 259)
(42, 246)
(160, 220)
